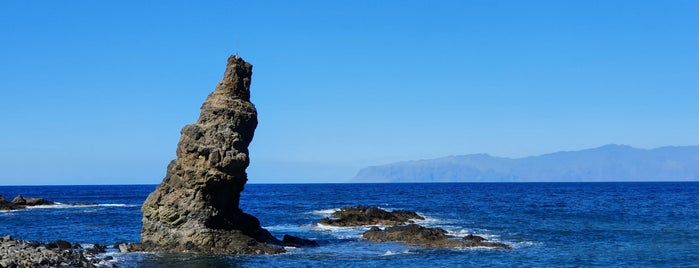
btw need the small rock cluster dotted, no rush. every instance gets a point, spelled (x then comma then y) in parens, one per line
(20, 202)
(403, 228)
(416, 235)
(362, 215)
(21, 253)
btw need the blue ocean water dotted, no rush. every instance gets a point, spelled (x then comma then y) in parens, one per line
(642, 224)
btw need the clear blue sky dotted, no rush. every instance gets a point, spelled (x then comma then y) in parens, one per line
(96, 92)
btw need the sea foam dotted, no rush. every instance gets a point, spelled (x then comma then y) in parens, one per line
(61, 205)
(324, 212)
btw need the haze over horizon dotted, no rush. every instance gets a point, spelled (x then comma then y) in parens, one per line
(608, 163)
(97, 92)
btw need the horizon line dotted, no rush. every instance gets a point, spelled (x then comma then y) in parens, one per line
(409, 182)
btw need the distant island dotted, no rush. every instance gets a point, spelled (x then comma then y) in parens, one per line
(607, 163)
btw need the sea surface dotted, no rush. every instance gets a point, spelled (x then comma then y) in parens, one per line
(642, 224)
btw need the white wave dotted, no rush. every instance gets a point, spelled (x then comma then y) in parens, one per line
(61, 205)
(391, 253)
(475, 248)
(490, 238)
(329, 228)
(428, 221)
(115, 258)
(524, 244)
(465, 232)
(115, 205)
(351, 232)
(7, 213)
(324, 212)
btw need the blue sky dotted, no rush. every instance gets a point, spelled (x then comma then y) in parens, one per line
(96, 92)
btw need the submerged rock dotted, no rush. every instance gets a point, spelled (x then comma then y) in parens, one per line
(361, 215)
(416, 235)
(196, 207)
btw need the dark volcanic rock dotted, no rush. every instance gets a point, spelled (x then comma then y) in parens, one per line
(59, 244)
(416, 235)
(361, 215)
(20, 202)
(196, 207)
(293, 241)
(37, 202)
(96, 249)
(19, 253)
(4, 205)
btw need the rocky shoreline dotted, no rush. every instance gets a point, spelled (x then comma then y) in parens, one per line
(59, 253)
(400, 227)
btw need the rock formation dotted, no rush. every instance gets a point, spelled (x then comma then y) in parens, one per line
(403, 228)
(416, 235)
(196, 207)
(361, 215)
(20, 202)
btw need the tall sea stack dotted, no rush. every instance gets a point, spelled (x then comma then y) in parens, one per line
(196, 207)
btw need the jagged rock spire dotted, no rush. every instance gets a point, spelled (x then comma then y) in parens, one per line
(196, 207)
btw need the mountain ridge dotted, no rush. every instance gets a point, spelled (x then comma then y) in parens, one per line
(611, 162)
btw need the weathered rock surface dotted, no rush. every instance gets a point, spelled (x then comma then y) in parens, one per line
(19, 253)
(416, 235)
(196, 207)
(361, 215)
(20, 202)
(4, 205)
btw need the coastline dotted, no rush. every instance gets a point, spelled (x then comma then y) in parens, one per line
(546, 223)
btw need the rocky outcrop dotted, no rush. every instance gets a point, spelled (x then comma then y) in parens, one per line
(20, 202)
(196, 207)
(5, 205)
(20, 253)
(361, 215)
(402, 229)
(416, 235)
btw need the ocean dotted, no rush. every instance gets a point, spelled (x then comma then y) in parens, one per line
(630, 224)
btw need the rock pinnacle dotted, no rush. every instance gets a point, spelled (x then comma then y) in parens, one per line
(196, 206)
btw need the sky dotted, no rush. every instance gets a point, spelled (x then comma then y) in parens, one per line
(96, 92)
